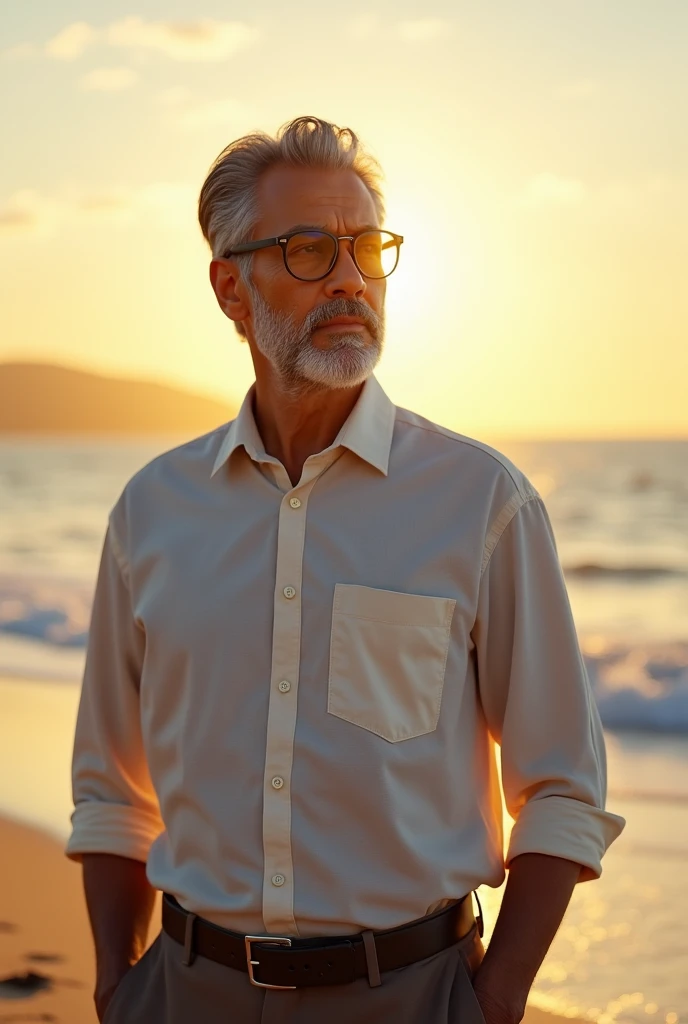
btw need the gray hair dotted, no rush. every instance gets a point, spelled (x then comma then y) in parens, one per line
(228, 204)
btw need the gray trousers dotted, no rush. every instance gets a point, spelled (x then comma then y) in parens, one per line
(160, 989)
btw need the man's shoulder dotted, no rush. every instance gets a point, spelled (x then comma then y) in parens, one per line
(186, 462)
(466, 452)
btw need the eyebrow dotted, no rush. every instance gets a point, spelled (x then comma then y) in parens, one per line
(321, 227)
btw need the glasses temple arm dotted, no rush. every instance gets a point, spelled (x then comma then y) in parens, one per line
(251, 246)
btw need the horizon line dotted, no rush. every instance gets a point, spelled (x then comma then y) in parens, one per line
(497, 434)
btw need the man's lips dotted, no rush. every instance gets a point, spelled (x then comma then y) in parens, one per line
(343, 321)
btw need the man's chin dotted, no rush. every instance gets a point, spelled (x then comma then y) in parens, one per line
(342, 368)
(334, 341)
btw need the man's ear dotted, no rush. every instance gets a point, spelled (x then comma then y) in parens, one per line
(228, 287)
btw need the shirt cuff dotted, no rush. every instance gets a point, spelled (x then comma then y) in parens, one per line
(99, 827)
(563, 827)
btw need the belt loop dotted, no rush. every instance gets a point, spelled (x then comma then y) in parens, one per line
(481, 923)
(189, 955)
(374, 978)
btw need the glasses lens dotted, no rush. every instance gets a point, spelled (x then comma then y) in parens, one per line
(309, 254)
(377, 253)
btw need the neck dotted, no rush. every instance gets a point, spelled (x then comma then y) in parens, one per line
(293, 428)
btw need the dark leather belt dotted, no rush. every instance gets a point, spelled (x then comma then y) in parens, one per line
(276, 962)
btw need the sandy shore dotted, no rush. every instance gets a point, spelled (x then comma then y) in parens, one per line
(44, 931)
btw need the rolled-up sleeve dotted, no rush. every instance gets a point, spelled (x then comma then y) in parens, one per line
(115, 807)
(536, 695)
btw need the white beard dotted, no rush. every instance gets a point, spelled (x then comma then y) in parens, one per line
(301, 367)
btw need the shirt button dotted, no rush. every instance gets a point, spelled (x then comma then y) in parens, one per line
(285, 686)
(289, 592)
(278, 879)
(295, 502)
(277, 782)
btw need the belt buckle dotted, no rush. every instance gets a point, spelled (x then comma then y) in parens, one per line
(275, 940)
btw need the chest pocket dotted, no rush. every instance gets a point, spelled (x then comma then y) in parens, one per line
(388, 654)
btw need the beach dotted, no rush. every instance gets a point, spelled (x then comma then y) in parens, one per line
(44, 931)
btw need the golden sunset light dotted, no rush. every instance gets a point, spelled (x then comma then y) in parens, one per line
(535, 162)
(344, 568)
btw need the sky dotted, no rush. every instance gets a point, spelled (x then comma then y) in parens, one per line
(535, 158)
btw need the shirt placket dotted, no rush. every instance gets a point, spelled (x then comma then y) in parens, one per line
(278, 876)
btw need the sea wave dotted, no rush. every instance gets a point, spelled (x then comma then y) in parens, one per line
(55, 611)
(44, 631)
(641, 686)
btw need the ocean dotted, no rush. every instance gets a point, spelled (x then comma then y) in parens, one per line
(620, 515)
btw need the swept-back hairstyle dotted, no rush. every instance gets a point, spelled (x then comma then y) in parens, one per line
(228, 204)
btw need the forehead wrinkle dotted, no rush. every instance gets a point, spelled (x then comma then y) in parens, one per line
(306, 204)
(336, 200)
(311, 226)
(345, 201)
(346, 209)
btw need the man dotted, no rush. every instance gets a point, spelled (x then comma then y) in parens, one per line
(311, 626)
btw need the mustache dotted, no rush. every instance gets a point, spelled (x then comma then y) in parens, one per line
(343, 307)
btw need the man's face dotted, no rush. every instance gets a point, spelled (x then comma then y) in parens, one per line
(293, 323)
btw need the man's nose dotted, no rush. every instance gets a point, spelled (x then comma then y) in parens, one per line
(345, 279)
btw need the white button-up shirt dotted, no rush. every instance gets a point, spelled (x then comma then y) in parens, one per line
(293, 694)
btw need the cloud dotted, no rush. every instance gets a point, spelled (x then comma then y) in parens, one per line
(27, 211)
(16, 219)
(202, 40)
(420, 30)
(71, 42)
(552, 190)
(108, 79)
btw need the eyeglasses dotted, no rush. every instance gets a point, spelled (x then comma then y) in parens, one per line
(311, 255)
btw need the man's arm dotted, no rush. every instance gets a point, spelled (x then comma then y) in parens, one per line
(538, 891)
(120, 901)
(540, 709)
(116, 814)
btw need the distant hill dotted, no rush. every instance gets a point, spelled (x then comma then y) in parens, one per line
(42, 398)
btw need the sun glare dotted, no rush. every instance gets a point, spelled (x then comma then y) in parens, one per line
(434, 265)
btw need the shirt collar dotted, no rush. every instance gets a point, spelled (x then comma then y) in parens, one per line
(367, 431)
